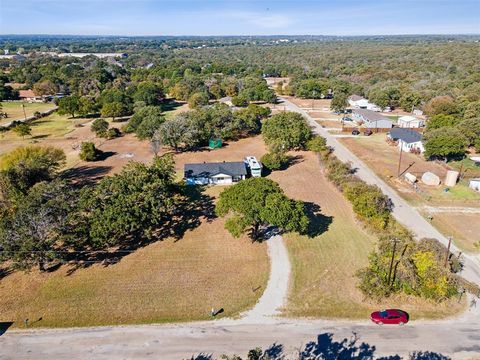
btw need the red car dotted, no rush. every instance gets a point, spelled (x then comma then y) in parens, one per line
(389, 316)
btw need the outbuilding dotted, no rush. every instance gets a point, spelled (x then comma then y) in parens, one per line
(223, 173)
(359, 102)
(408, 140)
(474, 184)
(29, 95)
(372, 119)
(408, 121)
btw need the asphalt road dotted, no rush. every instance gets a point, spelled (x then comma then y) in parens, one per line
(402, 211)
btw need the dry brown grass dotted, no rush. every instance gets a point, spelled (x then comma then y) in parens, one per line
(163, 282)
(464, 227)
(324, 282)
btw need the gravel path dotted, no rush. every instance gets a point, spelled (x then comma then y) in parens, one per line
(402, 211)
(275, 294)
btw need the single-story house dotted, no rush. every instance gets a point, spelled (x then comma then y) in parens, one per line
(372, 119)
(408, 121)
(29, 95)
(408, 140)
(223, 173)
(474, 184)
(358, 102)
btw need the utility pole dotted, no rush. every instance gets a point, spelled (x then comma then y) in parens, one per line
(400, 158)
(24, 113)
(448, 250)
(391, 262)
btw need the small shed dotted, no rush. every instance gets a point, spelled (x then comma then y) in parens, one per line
(474, 184)
(429, 178)
(215, 143)
(408, 121)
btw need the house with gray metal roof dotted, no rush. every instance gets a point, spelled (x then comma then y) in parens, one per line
(372, 119)
(222, 173)
(407, 140)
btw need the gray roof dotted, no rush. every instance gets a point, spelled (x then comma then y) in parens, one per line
(406, 135)
(355, 97)
(207, 170)
(369, 115)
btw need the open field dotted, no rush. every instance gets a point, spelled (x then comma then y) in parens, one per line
(15, 111)
(323, 267)
(463, 227)
(166, 281)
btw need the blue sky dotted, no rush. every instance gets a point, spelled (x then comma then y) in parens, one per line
(239, 17)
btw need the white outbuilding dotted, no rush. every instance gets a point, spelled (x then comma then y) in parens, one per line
(474, 184)
(408, 121)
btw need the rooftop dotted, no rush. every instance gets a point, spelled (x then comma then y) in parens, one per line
(406, 135)
(369, 115)
(235, 168)
(355, 97)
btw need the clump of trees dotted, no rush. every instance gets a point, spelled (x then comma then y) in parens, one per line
(257, 203)
(100, 127)
(288, 130)
(194, 128)
(44, 220)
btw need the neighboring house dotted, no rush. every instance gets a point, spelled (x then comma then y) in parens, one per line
(372, 119)
(29, 95)
(223, 173)
(358, 102)
(408, 140)
(408, 121)
(475, 184)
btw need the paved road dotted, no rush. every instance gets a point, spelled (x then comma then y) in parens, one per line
(402, 211)
(275, 294)
(459, 339)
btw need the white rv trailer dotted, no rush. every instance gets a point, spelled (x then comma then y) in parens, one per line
(254, 166)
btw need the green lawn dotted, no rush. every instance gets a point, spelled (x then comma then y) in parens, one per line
(15, 111)
(51, 126)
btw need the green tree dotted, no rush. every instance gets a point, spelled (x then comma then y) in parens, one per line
(240, 101)
(28, 165)
(149, 92)
(172, 132)
(339, 102)
(33, 234)
(88, 151)
(317, 144)
(141, 113)
(69, 105)
(113, 110)
(22, 130)
(259, 201)
(441, 105)
(148, 126)
(197, 100)
(472, 110)
(441, 120)
(445, 143)
(87, 106)
(470, 128)
(274, 160)
(287, 129)
(100, 127)
(141, 200)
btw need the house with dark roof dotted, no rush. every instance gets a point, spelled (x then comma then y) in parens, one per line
(407, 140)
(223, 173)
(372, 119)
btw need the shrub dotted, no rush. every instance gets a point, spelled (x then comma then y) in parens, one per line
(100, 127)
(88, 151)
(317, 144)
(113, 133)
(197, 100)
(274, 160)
(240, 101)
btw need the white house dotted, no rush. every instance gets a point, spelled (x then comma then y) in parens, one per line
(223, 173)
(372, 119)
(408, 121)
(474, 184)
(358, 102)
(408, 140)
